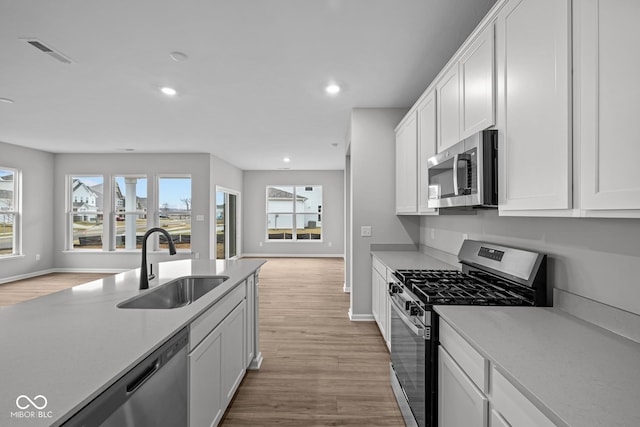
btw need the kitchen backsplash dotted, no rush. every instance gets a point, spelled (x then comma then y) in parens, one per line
(594, 258)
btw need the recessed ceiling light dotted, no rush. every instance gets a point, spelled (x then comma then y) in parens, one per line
(169, 91)
(6, 100)
(332, 89)
(286, 159)
(178, 56)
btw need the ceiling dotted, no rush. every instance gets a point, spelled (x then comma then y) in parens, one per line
(251, 90)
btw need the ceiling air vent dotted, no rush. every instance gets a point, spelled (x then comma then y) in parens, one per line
(48, 50)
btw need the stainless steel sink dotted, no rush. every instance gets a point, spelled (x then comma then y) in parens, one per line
(174, 294)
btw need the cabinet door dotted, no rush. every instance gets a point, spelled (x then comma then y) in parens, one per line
(205, 378)
(477, 95)
(534, 110)
(607, 106)
(497, 420)
(460, 402)
(250, 312)
(233, 351)
(407, 167)
(514, 407)
(448, 98)
(427, 141)
(375, 296)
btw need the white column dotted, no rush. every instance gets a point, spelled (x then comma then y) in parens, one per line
(130, 206)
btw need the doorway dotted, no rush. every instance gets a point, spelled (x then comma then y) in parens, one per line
(227, 220)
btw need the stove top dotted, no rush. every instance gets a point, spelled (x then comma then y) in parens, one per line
(456, 287)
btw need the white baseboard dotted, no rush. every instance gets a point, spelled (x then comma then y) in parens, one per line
(346, 289)
(27, 275)
(60, 270)
(268, 255)
(256, 363)
(361, 317)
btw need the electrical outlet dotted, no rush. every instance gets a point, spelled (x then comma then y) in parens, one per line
(37, 257)
(197, 255)
(365, 231)
(433, 234)
(465, 236)
(329, 244)
(260, 244)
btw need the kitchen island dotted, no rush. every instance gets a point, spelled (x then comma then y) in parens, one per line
(70, 346)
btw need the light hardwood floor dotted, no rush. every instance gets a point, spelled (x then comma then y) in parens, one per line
(23, 290)
(320, 369)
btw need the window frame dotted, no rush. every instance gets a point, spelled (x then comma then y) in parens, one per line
(70, 213)
(114, 213)
(16, 238)
(157, 209)
(294, 213)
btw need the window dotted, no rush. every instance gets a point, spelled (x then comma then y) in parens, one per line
(85, 212)
(9, 212)
(294, 212)
(130, 208)
(174, 210)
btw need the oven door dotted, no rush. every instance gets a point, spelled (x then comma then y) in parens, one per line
(409, 355)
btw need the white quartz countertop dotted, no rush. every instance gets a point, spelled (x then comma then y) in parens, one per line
(578, 374)
(400, 260)
(70, 346)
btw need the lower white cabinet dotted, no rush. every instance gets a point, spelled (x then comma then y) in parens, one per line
(380, 303)
(464, 395)
(205, 379)
(217, 363)
(513, 407)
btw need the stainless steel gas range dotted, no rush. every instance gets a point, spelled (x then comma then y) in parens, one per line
(491, 275)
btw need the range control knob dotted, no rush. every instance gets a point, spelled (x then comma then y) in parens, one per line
(414, 309)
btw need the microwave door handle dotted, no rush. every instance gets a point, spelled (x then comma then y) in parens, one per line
(456, 190)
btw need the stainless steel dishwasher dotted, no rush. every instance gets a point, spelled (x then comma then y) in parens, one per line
(154, 393)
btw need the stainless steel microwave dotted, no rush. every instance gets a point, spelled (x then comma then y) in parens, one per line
(466, 174)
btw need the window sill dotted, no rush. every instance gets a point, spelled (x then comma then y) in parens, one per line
(293, 241)
(124, 251)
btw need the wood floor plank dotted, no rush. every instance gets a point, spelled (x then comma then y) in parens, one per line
(319, 369)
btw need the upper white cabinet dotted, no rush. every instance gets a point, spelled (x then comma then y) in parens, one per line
(477, 93)
(607, 109)
(448, 110)
(534, 104)
(407, 166)
(427, 133)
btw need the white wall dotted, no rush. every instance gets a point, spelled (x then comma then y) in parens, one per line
(151, 165)
(254, 213)
(596, 258)
(37, 216)
(373, 180)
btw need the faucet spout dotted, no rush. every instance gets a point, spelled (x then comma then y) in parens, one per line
(144, 276)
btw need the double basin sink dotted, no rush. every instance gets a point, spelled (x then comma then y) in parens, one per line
(177, 293)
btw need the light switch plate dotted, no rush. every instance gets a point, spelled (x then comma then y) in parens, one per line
(199, 217)
(365, 231)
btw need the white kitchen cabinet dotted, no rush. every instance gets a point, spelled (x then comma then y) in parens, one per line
(205, 378)
(460, 402)
(534, 105)
(250, 320)
(607, 109)
(407, 166)
(380, 303)
(513, 407)
(217, 358)
(427, 141)
(477, 94)
(497, 420)
(448, 109)
(233, 351)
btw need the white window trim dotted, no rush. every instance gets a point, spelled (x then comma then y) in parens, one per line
(16, 249)
(226, 214)
(153, 216)
(294, 237)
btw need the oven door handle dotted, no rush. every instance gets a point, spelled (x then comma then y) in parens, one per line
(417, 330)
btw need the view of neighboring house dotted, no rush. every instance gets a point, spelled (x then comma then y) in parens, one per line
(6, 192)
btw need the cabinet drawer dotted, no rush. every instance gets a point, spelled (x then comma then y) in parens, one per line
(207, 321)
(516, 409)
(379, 267)
(472, 362)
